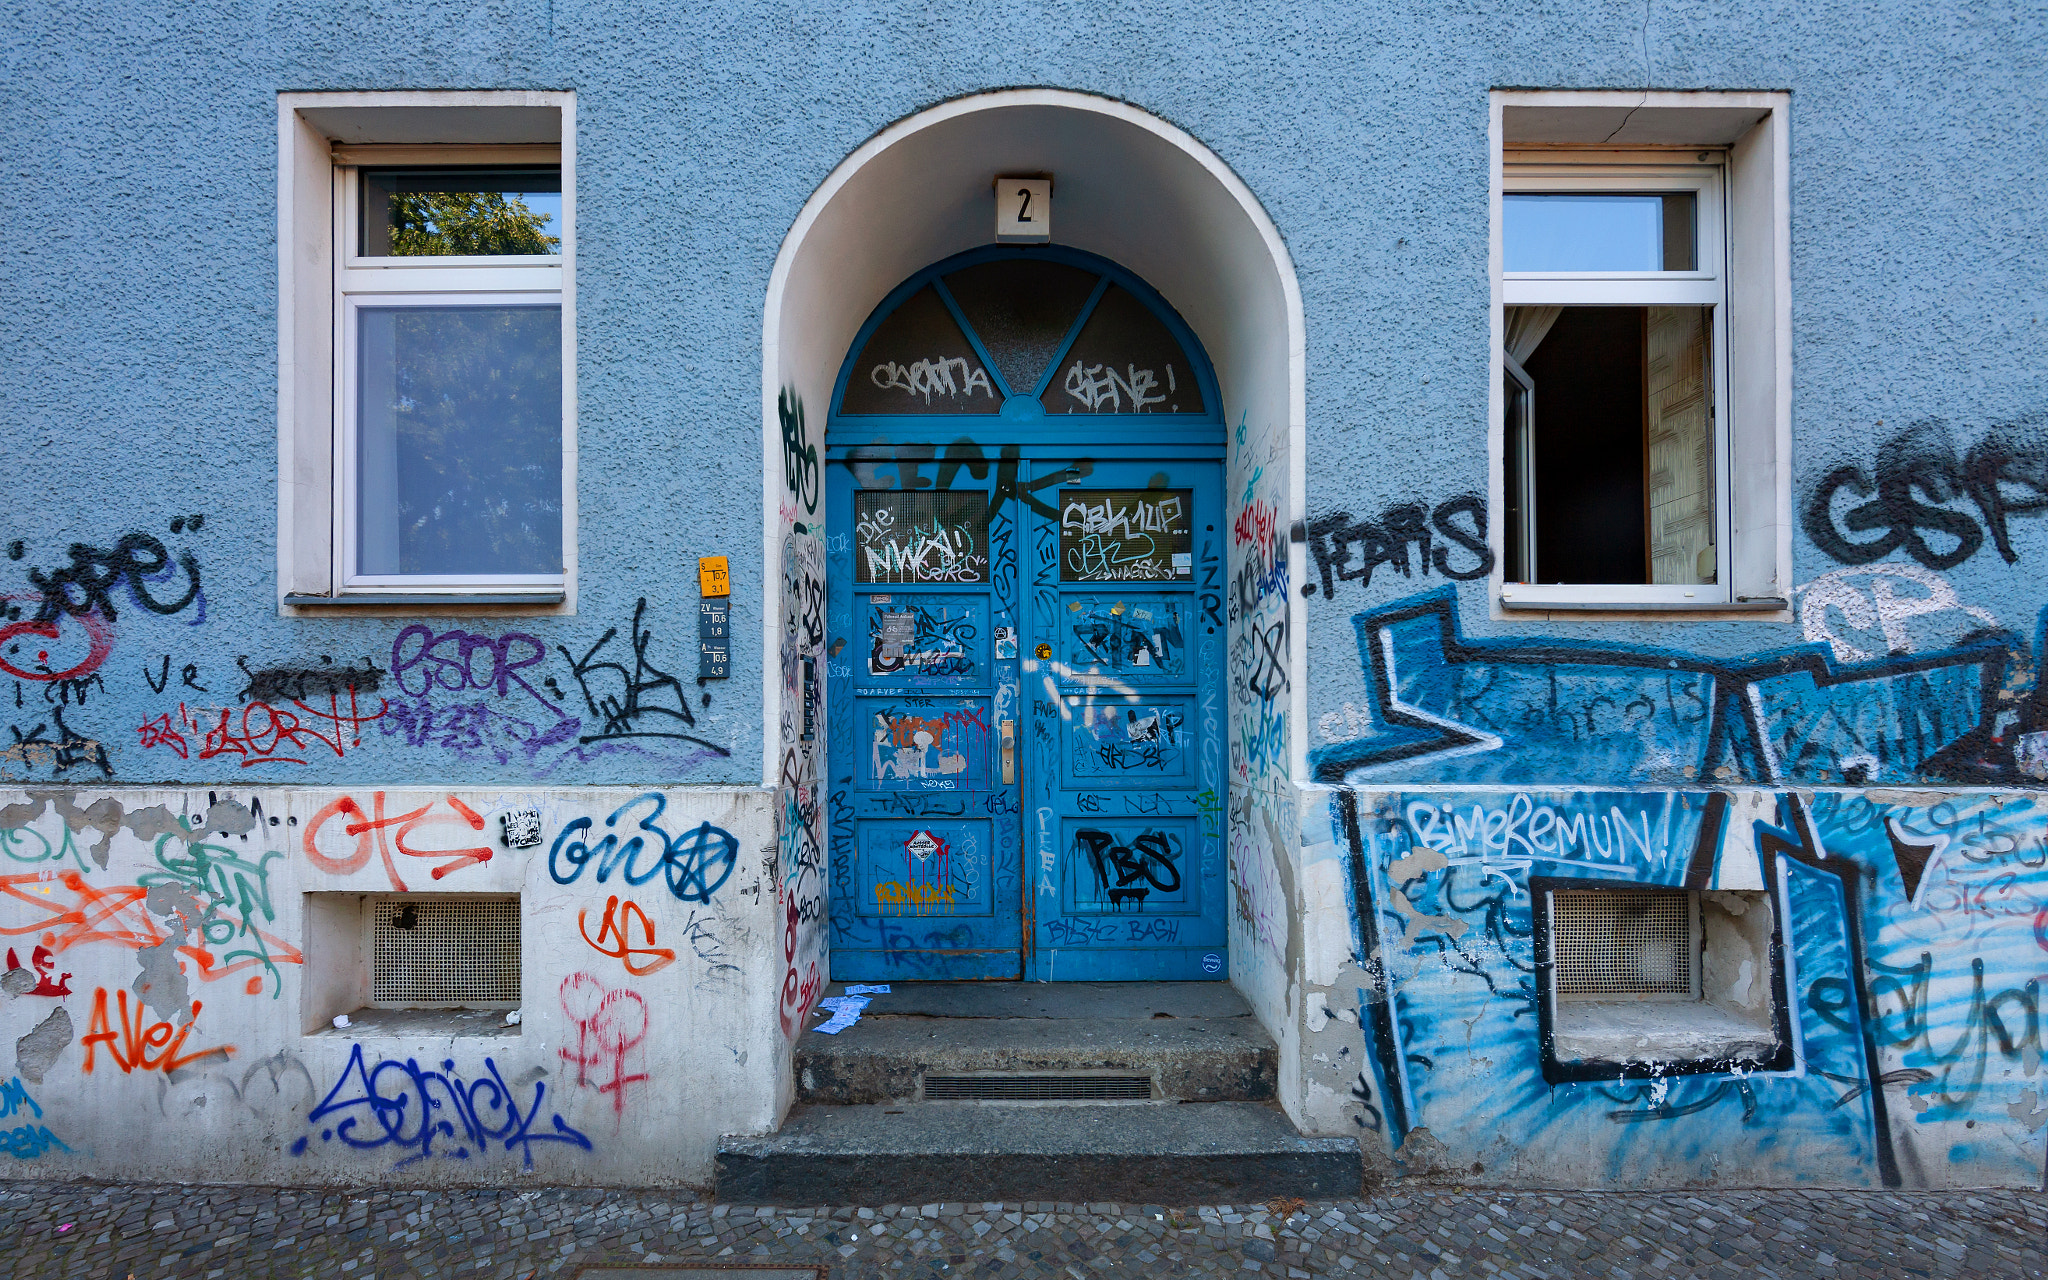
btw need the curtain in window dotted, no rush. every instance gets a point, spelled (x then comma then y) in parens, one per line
(1681, 446)
(1526, 328)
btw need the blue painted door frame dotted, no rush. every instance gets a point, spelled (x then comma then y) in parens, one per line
(1025, 643)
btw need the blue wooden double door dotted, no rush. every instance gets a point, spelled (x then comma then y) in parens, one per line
(1025, 640)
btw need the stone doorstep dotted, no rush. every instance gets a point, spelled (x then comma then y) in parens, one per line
(1138, 1001)
(880, 1059)
(1162, 1154)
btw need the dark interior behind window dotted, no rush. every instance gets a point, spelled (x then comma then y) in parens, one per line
(1588, 450)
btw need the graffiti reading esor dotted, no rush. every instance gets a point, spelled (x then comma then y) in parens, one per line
(694, 863)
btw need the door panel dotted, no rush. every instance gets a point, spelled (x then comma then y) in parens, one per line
(1126, 724)
(922, 669)
(1058, 606)
(1125, 637)
(1143, 742)
(927, 868)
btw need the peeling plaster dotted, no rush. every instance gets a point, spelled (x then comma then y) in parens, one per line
(1416, 865)
(161, 984)
(107, 817)
(36, 1052)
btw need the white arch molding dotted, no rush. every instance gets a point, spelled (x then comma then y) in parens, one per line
(1129, 186)
(1140, 192)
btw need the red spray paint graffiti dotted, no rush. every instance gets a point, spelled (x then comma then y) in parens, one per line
(45, 962)
(375, 822)
(84, 653)
(613, 937)
(259, 733)
(610, 1024)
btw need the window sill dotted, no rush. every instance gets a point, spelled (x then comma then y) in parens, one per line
(1553, 604)
(385, 599)
(1650, 1031)
(478, 1024)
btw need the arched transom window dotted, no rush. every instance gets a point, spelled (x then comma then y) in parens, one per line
(1026, 334)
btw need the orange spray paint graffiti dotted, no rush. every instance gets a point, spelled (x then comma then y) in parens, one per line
(365, 825)
(131, 1053)
(77, 913)
(614, 938)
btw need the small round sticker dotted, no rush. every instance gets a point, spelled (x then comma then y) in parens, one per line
(1212, 963)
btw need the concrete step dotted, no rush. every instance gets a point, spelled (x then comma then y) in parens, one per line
(1138, 1153)
(1194, 1041)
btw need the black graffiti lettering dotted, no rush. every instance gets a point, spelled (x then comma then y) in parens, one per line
(137, 560)
(1118, 867)
(965, 455)
(1473, 508)
(626, 703)
(67, 751)
(799, 456)
(1350, 550)
(278, 685)
(2003, 475)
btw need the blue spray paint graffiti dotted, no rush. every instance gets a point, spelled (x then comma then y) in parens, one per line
(695, 863)
(1523, 710)
(24, 1141)
(399, 1105)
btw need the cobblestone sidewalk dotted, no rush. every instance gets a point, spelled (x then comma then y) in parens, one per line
(71, 1231)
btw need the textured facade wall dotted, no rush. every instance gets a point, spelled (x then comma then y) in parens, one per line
(138, 426)
(176, 959)
(1910, 969)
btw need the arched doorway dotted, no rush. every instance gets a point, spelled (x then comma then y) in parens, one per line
(1025, 559)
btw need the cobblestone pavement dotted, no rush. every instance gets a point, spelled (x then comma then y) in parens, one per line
(78, 1230)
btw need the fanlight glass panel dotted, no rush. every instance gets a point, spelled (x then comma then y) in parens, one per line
(918, 361)
(1598, 232)
(1022, 310)
(1124, 361)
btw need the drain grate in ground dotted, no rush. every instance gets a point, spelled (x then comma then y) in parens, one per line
(1037, 1088)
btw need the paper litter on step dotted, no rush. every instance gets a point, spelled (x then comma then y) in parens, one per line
(845, 1012)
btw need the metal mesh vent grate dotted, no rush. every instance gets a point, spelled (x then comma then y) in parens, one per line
(1623, 942)
(445, 951)
(1043, 1088)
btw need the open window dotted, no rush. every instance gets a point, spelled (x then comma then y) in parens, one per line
(1642, 450)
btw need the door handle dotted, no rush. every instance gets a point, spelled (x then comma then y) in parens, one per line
(1009, 752)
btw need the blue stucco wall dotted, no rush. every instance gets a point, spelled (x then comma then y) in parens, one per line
(139, 367)
(138, 391)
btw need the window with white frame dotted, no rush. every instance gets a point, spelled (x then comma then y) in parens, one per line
(1642, 368)
(450, 414)
(1613, 289)
(424, 406)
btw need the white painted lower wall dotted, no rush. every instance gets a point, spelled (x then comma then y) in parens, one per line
(167, 1015)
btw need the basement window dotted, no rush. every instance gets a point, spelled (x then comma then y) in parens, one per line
(444, 953)
(424, 963)
(1653, 981)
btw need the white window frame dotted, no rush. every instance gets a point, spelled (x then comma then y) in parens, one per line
(1705, 286)
(324, 141)
(1575, 139)
(348, 531)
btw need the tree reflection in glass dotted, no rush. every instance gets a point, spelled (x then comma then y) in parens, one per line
(459, 438)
